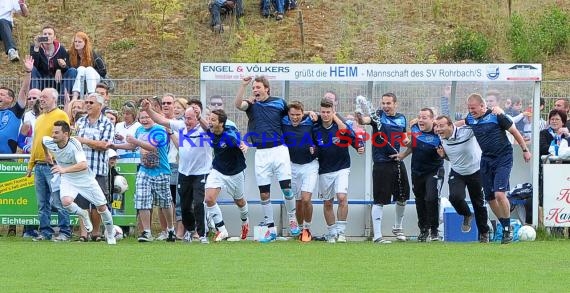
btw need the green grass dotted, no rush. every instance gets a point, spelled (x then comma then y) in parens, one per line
(283, 266)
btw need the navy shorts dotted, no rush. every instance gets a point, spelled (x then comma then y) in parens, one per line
(495, 173)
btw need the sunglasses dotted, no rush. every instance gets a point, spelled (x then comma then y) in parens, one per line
(216, 104)
(167, 103)
(32, 98)
(130, 104)
(90, 102)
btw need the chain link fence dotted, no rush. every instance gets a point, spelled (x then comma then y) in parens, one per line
(412, 96)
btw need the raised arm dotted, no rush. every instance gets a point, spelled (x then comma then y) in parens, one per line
(24, 8)
(339, 121)
(156, 117)
(22, 95)
(239, 102)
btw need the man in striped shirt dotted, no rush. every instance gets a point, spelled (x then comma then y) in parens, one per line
(94, 131)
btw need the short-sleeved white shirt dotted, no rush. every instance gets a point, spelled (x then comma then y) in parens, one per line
(127, 156)
(194, 158)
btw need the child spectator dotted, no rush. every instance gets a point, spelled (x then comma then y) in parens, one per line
(112, 115)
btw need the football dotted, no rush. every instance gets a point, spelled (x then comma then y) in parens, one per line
(121, 185)
(118, 233)
(527, 233)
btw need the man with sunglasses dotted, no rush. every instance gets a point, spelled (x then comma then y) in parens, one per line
(94, 131)
(29, 120)
(216, 102)
(11, 114)
(167, 107)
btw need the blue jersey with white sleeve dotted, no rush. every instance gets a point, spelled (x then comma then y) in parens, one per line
(489, 130)
(299, 139)
(264, 125)
(425, 159)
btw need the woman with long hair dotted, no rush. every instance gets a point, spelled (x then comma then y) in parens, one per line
(90, 66)
(74, 110)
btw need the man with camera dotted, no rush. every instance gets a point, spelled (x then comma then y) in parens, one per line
(51, 63)
(7, 8)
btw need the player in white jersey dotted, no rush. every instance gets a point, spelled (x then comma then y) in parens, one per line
(76, 177)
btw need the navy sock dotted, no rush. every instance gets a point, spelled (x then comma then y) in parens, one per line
(506, 223)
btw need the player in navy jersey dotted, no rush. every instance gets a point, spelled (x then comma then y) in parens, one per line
(297, 133)
(496, 158)
(389, 176)
(427, 174)
(227, 172)
(264, 113)
(332, 138)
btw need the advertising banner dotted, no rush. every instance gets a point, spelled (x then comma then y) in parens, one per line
(373, 72)
(556, 195)
(18, 205)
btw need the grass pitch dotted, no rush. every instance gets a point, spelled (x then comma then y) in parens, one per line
(287, 266)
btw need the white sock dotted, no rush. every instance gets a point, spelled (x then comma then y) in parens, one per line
(244, 213)
(307, 225)
(290, 205)
(267, 211)
(74, 209)
(400, 209)
(376, 213)
(107, 220)
(340, 227)
(216, 214)
(332, 229)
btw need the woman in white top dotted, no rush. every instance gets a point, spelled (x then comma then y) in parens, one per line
(90, 66)
(129, 125)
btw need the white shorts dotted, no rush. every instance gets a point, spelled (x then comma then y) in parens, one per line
(272, 161)
(333, 183)
(233, 184)
(304, 178)
(90, 190)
